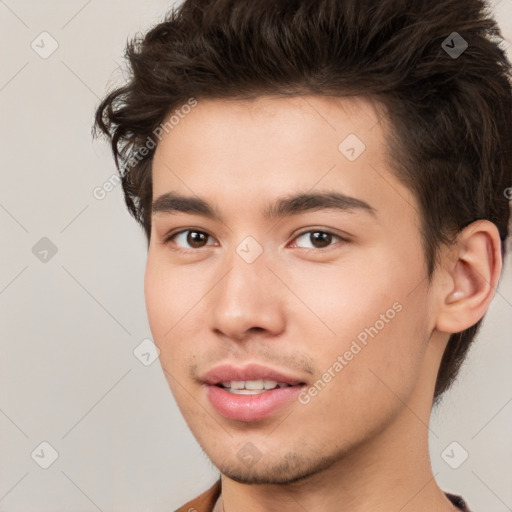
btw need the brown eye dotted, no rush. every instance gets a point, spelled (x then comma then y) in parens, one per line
(189, 239)
(317, 239)
(320, 239)
(196, 238)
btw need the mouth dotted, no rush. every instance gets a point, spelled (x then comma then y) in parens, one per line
(251, 393)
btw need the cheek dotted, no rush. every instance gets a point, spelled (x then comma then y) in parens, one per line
(351, 295)
(374, 316)
(364, 384)
(164, 304)
(155, 297)
(173, 298)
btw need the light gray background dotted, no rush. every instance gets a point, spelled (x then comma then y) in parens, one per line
(70, 325)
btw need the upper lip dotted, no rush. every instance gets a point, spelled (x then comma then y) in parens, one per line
(228, 373)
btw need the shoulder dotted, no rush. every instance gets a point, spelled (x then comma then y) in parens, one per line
(204, 502)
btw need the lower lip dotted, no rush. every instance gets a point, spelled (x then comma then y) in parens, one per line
(250, 407)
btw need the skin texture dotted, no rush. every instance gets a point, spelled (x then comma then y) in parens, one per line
(361, 443)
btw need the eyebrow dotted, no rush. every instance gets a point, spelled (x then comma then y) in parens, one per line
(172, 202)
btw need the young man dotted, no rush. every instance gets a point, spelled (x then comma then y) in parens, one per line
(323, 188)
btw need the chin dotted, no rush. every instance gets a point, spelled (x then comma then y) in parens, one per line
(290, 469)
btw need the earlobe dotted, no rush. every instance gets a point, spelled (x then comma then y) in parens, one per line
(473, 277)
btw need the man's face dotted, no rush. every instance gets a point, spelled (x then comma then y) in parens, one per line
(333, 300)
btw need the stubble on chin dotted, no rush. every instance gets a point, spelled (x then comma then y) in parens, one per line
(292, 468)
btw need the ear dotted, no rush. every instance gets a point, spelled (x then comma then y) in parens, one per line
(471, 275)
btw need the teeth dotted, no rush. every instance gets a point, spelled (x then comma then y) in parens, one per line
(260, 384)
(252, 387)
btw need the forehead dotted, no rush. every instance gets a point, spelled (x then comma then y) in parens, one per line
(244, 153)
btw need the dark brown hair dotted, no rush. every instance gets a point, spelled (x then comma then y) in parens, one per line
(449, 110)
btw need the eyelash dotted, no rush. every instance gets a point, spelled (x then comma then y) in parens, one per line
(168, 239)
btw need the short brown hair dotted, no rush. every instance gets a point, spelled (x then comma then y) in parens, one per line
(450, 111)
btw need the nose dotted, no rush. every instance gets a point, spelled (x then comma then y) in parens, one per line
(248, 299)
